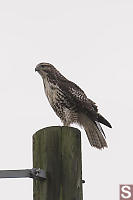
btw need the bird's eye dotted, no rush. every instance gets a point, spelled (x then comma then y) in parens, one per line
(43, 66)
(45, 69)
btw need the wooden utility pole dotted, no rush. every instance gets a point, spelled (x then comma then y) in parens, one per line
(57, 150)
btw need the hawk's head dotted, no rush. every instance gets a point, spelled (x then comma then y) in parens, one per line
(44, 68)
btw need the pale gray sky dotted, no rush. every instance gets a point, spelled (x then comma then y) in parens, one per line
(91, 43)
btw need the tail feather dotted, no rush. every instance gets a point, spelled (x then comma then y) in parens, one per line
(100, 128)
(94, 132)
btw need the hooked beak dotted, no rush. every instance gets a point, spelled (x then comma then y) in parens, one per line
(37, 69)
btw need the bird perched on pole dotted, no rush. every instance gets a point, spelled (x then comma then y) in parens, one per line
(71, 104)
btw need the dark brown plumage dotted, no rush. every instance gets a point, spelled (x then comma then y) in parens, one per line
(72, 105)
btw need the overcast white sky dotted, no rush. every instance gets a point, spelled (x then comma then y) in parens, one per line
(91, 43)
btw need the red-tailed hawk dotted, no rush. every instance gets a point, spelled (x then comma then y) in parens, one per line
(72, 105)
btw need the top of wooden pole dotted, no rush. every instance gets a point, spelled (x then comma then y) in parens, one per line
(75, 130)
(57, 150)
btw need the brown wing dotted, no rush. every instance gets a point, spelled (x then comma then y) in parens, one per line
(93, 105)
(78, 99)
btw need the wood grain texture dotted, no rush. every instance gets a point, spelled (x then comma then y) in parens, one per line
(57, 150)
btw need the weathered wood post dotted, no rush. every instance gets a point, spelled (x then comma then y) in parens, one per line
(57, 150)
